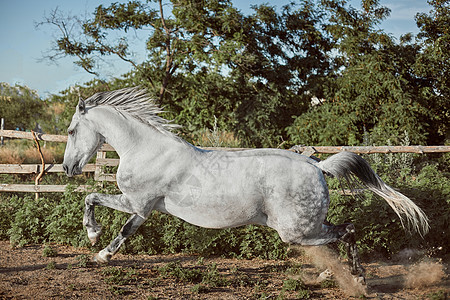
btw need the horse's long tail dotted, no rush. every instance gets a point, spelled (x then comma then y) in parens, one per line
(348, 165)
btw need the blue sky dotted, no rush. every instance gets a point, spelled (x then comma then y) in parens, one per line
(22, 45)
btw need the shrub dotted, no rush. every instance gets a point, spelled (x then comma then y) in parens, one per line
(293, 285)
(209, 277)
(176, 270)
(58, 218)
(64, 220)
(7, 209)
(213, 278)
(28, 221)
(167, 234)
(119, 276)
(296, 285)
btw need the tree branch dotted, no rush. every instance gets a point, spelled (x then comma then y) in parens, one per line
(39, 176)
(169, 55)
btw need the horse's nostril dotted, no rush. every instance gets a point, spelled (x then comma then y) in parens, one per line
(65, 168)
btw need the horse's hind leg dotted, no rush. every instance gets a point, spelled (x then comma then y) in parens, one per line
(344, 233)
(130, 227)
(352, 250)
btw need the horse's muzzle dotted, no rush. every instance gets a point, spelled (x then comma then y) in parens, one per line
(71, 171)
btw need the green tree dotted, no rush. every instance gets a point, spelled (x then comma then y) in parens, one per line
(180, 40)
(21, 107)
(67, 99)
(256, 68)
(258, 73)
(286, 58)
(433, 67)
(373, 87)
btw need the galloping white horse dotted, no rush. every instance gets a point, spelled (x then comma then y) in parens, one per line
(215, 189)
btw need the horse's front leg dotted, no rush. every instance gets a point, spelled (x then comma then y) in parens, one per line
(117, 202)
(130, 227)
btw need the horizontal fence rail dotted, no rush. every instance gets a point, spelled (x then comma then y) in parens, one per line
(47, 188)
(35, 168)
(300, 148)
(102, 162)
(43, 137)
(374, 149)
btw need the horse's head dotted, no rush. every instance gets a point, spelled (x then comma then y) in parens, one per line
(83, 141)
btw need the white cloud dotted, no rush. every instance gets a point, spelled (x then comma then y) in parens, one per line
(405, 9)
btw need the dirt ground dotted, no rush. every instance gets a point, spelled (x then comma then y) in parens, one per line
(62, 272)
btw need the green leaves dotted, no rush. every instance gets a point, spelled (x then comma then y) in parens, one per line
(257, 73)
(374, 87)
(433, 65)
(20, 106)
(132, 14)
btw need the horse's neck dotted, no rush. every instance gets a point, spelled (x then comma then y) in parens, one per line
(126, 134)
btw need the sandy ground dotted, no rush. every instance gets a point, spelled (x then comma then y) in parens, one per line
(34, 272)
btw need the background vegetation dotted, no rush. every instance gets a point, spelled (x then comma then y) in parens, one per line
(313, 72)
(258, 73)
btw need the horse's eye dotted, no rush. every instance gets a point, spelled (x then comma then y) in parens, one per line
(71, 132)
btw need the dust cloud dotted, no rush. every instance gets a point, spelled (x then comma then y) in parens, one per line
(424, 274)
(324, 258)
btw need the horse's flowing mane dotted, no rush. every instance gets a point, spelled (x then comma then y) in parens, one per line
(136, 102)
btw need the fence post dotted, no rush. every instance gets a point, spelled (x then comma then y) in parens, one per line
(2, 127)
(98, 168)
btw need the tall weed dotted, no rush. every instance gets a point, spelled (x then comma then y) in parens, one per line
(10, 156)
(64, 221)
(215, 137)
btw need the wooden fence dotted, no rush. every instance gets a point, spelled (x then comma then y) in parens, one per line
(96, 168)
(102, 162)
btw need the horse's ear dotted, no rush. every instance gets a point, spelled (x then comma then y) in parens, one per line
(81, 106)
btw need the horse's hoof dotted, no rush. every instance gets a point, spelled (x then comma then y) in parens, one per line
(359, 279)
(350, 228)
(93, 240)
(325, 275)
(102, 258)
(94, 235)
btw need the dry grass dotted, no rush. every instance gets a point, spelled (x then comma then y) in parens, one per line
(19, 152)
(31, 156)
(10, 156)
(217, 138)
